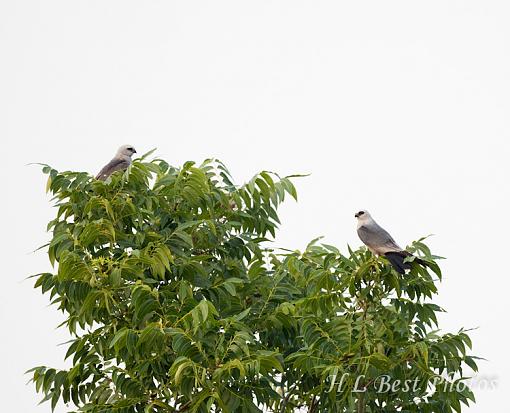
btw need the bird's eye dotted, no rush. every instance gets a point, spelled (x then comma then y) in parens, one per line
(361, 212)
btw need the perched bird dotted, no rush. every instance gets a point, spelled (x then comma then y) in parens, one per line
(379, 242)
(120, 162)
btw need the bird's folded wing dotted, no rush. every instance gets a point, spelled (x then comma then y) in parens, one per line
(111, 167)
(377, 239)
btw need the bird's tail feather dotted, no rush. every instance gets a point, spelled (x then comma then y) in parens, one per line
(421, 262)
(397, 260)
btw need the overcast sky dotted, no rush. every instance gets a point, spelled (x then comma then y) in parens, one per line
(398, 107)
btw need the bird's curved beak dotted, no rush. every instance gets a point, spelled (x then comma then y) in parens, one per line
(356, 215)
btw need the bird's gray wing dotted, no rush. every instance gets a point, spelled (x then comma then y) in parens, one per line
(115, 164)
(377, 239)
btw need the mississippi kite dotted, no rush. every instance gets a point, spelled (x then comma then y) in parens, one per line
(379, 242)
(120, 162)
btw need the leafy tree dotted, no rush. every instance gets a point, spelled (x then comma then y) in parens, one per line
(176, 303)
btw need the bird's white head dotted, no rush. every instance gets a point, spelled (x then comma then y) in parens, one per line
(363, 216)
(126, 150)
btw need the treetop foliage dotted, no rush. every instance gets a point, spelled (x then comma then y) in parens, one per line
(177, 302)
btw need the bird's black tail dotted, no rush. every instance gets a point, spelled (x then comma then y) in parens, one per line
(397, 260)
(421, 262)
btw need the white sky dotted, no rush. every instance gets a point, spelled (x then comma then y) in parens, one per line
(399, 107)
